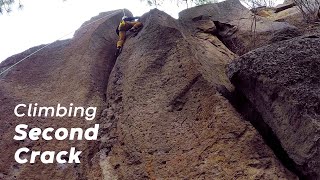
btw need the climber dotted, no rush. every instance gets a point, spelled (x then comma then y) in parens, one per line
(126, 24)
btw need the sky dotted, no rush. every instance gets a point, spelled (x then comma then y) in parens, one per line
(45, 21)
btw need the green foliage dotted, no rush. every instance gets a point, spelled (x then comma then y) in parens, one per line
(6, 6)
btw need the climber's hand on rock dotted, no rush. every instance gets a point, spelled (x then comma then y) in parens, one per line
(133, 30)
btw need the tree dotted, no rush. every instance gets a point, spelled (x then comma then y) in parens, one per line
(310, 9)
(6, 6)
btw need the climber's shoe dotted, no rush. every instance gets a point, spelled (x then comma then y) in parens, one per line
(119, 49)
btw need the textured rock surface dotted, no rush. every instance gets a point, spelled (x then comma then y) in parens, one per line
(231, 12)
(70, 71)
(283, 82)
(166, 119)
(161, 118)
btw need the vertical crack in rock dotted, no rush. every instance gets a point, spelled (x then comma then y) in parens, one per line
(282, 83)
(199, 134)
(249, 112)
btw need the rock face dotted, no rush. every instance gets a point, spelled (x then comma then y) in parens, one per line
(70, 71)
(283, 82)
(252, 31)
(167, 120)
(161, 116)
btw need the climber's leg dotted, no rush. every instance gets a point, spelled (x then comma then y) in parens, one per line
(122, 38)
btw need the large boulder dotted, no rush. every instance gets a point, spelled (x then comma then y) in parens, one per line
(282, 81)
(252, 31)
(291, 15)
(166, 120)
(223, 12)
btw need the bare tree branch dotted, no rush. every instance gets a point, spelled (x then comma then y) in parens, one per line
(310, 9)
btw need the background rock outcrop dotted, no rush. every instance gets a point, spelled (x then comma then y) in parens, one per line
(283, 82)
(252, 31)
